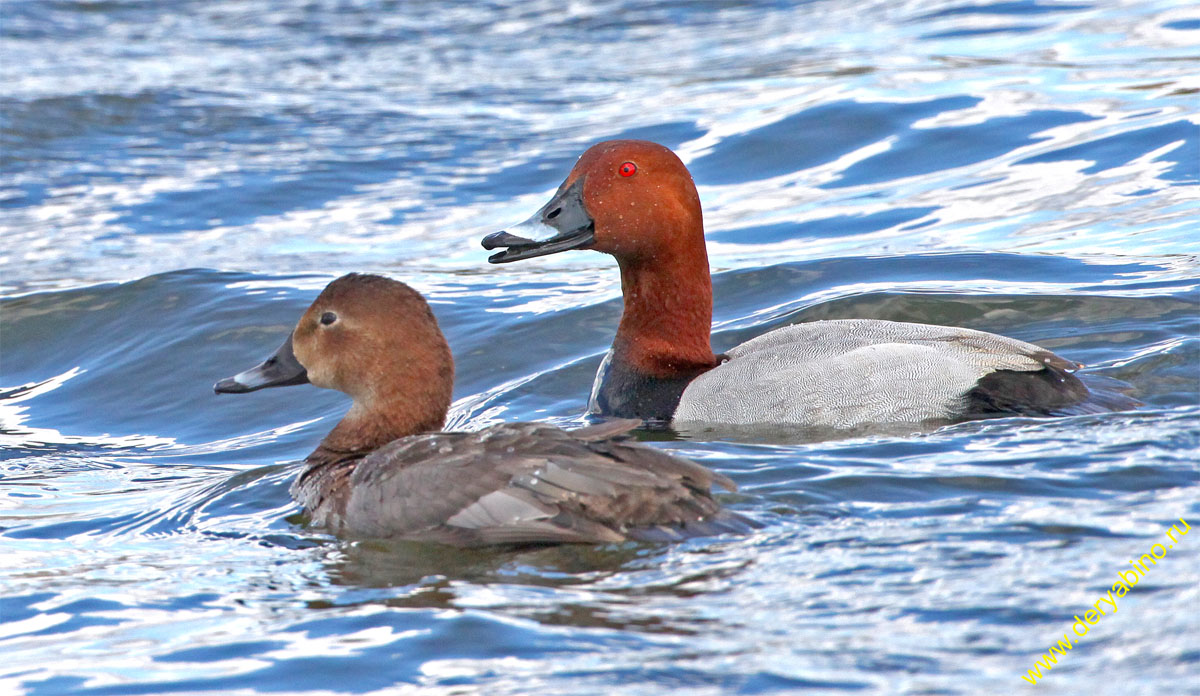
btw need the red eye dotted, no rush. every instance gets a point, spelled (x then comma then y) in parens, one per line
(628, 169)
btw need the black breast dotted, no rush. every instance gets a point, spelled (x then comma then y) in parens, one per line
(623, 391)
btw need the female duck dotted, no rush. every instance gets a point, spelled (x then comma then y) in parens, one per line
(636, 200)
(384, 471)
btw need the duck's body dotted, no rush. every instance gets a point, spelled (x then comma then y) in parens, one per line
(843, 373)
(515, 483)
(636, 201)
(384, 471)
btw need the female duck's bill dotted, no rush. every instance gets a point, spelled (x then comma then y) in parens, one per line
(280, 370)
(636, 201)
(385, 471)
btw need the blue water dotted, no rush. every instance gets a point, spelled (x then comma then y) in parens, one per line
(180, 179)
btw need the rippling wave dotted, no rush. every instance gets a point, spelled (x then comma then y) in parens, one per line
(178, 182)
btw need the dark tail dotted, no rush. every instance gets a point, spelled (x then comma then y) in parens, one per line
(1053, 391)
(1105, 395)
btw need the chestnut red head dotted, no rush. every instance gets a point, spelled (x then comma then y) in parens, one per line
(628, 198)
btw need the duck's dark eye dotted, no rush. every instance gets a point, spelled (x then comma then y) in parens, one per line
(328, 318)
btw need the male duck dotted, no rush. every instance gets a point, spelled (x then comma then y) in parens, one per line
(636, 201)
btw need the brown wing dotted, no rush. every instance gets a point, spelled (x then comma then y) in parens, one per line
(531, 483)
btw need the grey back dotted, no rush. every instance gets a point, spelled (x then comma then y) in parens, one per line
(848, 372)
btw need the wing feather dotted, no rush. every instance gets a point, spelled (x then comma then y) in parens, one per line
(527, 483)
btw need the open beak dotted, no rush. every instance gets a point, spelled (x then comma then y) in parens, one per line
(561, 224)
(280, 370)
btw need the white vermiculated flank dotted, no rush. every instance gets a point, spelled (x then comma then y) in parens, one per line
(847, 372)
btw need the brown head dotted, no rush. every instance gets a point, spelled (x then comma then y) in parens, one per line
(630, 198)
(635, 200)
(376, 340)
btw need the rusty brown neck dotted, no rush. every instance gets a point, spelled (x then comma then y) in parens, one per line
(665, 327)
(359, 433)
(364, 430)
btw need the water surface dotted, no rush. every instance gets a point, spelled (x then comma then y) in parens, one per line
(180, 180)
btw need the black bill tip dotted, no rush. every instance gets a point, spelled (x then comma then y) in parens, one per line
(230, 385)
(509, 245)
(514, 248)
(504, 239)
